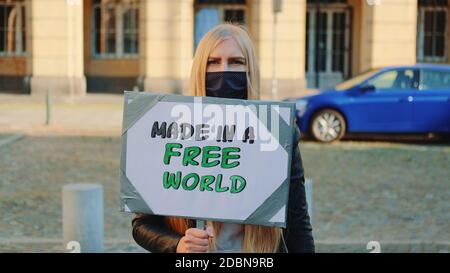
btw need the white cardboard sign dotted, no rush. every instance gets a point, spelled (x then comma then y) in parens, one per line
(206, 158)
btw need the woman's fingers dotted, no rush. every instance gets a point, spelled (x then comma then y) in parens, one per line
(198, 233)
(196, 248)
(196, 241)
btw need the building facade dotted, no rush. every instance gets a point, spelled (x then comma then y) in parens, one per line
(73, 47)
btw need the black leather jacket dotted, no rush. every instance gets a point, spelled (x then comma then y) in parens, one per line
(152, 233)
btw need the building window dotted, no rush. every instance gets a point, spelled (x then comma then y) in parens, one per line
(209, 13)
(339, 37)
(432, 31)
(12, 28)
(115, 28)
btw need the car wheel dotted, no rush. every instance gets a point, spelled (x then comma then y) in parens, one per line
(328, 125)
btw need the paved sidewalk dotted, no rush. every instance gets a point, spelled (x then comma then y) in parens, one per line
(93, 114)
(89, 115)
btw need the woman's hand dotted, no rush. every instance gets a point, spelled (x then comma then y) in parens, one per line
(195, 240)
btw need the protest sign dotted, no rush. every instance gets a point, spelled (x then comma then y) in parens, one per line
(206, 158)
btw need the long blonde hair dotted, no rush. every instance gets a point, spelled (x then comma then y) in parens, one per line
(258, 239)
(207, 44)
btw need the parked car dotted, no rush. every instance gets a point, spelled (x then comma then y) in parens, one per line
(396, 99)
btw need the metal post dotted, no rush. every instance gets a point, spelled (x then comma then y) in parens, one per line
(276, 8)
(49, 103)
(83, 216)
(200, 224)
(309, 197)
(274, 66)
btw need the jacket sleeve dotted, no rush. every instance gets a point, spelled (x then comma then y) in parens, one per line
(152, 233)
(298, 233)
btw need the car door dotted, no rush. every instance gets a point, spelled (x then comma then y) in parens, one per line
(431, 109)
(388, 107)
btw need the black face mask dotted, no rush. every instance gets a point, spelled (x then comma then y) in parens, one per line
(226, 84)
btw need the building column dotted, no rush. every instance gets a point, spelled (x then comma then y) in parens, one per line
(166, 45)
(290, 45)
(388, 33)
(55, 58)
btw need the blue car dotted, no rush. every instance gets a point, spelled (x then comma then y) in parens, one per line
(396, 99)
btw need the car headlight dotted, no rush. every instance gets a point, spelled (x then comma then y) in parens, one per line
(301, 107)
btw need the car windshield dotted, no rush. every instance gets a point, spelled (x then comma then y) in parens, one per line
(355, 80)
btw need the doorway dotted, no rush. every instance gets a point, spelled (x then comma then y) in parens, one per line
(327, 44)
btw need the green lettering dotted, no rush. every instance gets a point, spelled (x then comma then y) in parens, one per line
(189, 154)
(234, 180)
(193, 185)
(169, 152)
(219, 184)
(227, 156)
(207, 155)
(205, 181)
(171, 180)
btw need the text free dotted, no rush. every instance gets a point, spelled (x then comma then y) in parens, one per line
(211, 156)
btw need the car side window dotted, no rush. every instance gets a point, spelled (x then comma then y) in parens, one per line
(435, 80)
(394, 80)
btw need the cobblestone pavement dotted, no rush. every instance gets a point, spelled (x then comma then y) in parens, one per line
(363, 191)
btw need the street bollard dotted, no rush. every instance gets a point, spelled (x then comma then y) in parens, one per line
(83, 216)
(49, 108)
(309, 197)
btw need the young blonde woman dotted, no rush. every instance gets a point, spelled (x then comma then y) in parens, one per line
(225, 66)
